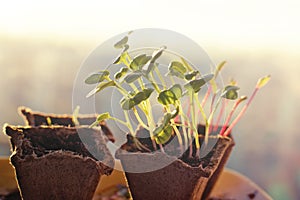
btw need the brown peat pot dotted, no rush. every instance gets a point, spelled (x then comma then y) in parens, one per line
(52, 162)
(173, 177)
(33, 118)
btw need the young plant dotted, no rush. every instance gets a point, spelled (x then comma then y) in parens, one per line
(143, 75)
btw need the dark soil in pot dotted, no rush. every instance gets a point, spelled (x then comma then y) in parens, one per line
(181, 176)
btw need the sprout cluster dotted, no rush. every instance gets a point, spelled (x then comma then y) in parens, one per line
(137, 71)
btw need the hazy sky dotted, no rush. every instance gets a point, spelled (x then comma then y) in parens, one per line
(266, 22)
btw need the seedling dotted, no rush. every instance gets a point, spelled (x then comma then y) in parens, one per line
(143, 75)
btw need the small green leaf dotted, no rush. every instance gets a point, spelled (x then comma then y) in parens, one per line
(176, 89)
(166, 97)
(219, 68)
(164, 136)
(100, 87)
(75, 116)
(139, 61)
(158, 129)
(127, 104)
(120, 44)
(166, 119)
(130, 78)
(49, 122)
(142, 95)
(97, 78)
(191, 75)
(177, 69)
(196, 84)
(243, 98)
(100, 118)
(263, 81)
(103, 116)
(230, 92)
(157, 54)
(121, 73)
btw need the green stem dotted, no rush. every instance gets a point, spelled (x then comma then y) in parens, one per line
(129, 123)
(185, 137)
(151, 79)
(160, 77)
(139, 119)
(194, 126)
(118, 120)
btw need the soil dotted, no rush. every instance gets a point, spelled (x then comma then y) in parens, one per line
(172, 147)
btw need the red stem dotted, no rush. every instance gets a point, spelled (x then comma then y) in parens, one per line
(206, 96)
(212, 102)
(224, 104)
(229, 117)
(235, 121)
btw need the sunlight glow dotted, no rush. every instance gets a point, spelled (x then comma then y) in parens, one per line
(232, 20)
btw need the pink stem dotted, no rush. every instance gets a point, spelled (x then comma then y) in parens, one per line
(212, 102)
(161, 148)
(224, 104)
(206, 96)
(229, 117)
(235, 121)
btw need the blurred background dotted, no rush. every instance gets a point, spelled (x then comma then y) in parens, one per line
(42, 45)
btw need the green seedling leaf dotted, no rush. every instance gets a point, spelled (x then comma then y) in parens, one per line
(164, 136)
(142, 95)
(157, 54)
(191, 75)
(139, 61)
(121, 73)
(100, 118)
(130, 78)
(177, 69)
(230, 92)
(167, 97)
(232, 82)
(127, 104)
(196, 84)
(120, 44)
(75, 116)
(219, 68)
(152, 64)
(176, 89)
(97, 78)
(103, 116)
(49, 122)
(263, 81)
(166, 119)
(100, 87)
